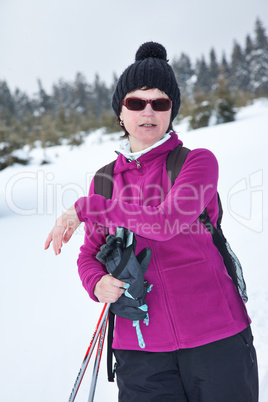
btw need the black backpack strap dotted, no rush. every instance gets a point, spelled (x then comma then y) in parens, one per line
(220, 213)
(103, 185)
(103, 180)
(220, 242)
(175, 161)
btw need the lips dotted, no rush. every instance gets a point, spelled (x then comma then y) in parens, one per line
(147, 125)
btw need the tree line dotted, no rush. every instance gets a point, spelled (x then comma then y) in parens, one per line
(211, 92)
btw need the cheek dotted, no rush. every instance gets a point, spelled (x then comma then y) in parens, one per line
(166, 120)
(129, 119)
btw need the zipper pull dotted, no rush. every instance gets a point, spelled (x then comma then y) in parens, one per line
(138, 164)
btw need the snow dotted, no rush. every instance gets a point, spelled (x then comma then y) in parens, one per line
(47, 319)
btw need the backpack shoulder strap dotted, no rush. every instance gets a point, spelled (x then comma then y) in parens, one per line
(175, 161)
(220, 213)
(103, 185)
(103, 180)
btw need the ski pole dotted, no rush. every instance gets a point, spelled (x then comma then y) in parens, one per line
(90, 349)
(97, 362)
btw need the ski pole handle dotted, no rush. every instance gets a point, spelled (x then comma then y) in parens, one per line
(119, 237)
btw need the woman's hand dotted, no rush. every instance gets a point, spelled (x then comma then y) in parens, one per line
(63, 230)
(109, 289)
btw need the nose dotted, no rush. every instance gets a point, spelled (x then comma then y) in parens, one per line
(148, 110)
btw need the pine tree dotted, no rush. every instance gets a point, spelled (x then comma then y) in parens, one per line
(7, 105)
(9, 138)
(101, 97)
(249, 48)
(259, 61)
(224, 105)
(239, 76)
(203, 78)
(213, 68)
(63, 97)
(45, 102)
(23, 105)
(202, 111)
(183, 71)
(81, 94)
(224, 67)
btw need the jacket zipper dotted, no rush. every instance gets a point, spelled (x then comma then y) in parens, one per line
(160, 276)
(166, 298)
(138, 164)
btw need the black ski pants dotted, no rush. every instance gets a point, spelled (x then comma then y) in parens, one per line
(222, 371)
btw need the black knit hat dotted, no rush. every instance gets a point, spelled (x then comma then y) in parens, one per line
(151, 70)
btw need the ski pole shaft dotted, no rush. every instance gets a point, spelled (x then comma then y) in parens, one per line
(90, 349)
(97, 362)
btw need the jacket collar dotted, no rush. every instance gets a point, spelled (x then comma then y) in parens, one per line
(159, 152)
(124, 148)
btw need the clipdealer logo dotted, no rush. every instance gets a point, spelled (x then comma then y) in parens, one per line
(252, 187)
(47, 197)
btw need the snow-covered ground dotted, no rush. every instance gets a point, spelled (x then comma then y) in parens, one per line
(47, 319)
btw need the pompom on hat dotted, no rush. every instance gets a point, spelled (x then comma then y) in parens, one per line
(151, 70)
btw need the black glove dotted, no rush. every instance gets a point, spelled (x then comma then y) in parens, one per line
(118, 255)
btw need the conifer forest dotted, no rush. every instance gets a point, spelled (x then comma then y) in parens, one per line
(212, 89)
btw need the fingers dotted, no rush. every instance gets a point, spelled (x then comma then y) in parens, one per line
(56, 236)
(57, 241)
(116, 282)
(63, 230)
(48, 241)
(109, 289)
(57, 244)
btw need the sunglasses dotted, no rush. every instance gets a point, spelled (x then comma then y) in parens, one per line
(137, 104)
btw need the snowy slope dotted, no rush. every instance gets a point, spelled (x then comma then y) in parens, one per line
(47, 319)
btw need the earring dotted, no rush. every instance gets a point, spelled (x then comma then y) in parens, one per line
(121, 123)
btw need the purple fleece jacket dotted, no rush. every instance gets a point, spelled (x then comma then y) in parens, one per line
(193, 301)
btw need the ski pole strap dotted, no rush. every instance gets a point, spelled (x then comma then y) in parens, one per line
(136, 324)
(123, 262)
(110, 335)
(115, 274)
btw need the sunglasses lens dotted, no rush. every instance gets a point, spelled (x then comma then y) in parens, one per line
(135, 104)
(161, 105)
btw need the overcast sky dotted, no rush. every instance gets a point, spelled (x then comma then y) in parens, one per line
(53, 39)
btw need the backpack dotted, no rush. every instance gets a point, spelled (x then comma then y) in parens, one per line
(103, 184)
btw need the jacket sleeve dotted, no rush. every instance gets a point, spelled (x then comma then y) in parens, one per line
(89, 268)
(192, 191)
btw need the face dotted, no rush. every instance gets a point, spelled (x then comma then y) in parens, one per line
(145, 127)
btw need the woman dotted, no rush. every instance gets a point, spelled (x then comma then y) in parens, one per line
(198, 342)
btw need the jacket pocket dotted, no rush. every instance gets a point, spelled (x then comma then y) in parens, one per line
(247, 340)
(197, 301)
